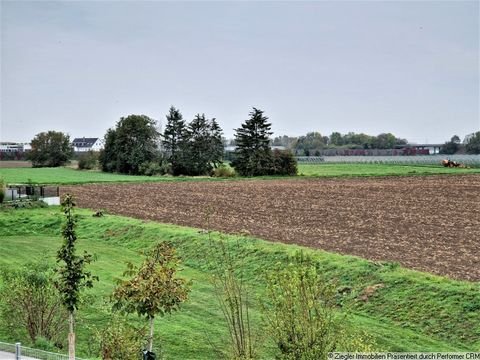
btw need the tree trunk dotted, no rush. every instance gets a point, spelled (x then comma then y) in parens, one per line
(71, 338)
(150, 337)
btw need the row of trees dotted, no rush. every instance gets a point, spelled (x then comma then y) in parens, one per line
(471, 145)
(195, 148)
(314, 141)
(135, 147)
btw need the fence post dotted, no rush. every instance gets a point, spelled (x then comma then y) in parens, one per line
(18, 351)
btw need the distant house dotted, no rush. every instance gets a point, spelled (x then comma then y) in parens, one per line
(87, 144)
(11, 147)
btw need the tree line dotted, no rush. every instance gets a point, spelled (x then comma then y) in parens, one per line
(136, 146)
(314, 141)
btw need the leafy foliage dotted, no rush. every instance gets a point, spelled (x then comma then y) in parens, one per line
(132, 143)
(284, 163)
(451, 147)
(108, 156)
(154, 288)
(72, 276)
(301, 315)
(31, 303)
(473, 144)
(88, 160)
(120, 340)
(253, 155)
(50, 149)
(224, 171)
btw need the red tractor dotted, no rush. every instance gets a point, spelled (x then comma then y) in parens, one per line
(451, 163)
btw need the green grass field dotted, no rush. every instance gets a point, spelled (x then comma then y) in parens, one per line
(359, 169)
(65, 175)
(413, 311)
(72, 176)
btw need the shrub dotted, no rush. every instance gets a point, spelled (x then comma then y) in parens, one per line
(224, 171)
(31, 304)
(88, 161)
(150, 168)
(301, 313)
(45, 344)
(284, 163)
(120, 340)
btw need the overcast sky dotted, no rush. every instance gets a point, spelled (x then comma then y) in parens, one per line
(406, 67)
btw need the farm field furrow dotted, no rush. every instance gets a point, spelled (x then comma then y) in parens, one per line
(429, 223)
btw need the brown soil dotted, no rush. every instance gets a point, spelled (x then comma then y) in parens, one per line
(426, 223)
(15, 164)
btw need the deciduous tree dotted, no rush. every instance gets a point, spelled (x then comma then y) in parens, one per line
(50, 149)
(154, 288)
(452, 146)
(132, 143)
(72, 275)
(473, 144)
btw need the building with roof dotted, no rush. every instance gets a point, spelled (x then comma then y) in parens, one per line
(87, 144)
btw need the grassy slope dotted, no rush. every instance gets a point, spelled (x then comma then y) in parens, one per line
(414, 311)
(72, 176)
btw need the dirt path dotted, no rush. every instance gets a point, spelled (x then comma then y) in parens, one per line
(427, 223)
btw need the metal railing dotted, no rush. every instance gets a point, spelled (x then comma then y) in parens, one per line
(19, 352)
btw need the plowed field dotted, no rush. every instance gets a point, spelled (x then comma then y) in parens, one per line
(426, 223)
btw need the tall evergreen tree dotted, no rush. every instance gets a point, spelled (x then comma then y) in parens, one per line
(253, 155)
(173, 137)
(217, 148)
(197, 146)
(202, 148)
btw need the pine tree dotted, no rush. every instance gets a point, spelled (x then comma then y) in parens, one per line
(253, 155)
(197, 151)
(216, 143)
(203, 147)
(173, 137)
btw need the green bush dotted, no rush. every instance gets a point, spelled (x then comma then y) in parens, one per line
(44, 344)
(284, 163)
(88, 161)
(120, 340)
(224, 171)
(150, 168)
(301, 312)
